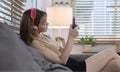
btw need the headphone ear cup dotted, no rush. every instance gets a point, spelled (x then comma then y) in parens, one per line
(35, 27)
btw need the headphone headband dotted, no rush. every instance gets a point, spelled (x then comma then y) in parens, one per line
(33, 14)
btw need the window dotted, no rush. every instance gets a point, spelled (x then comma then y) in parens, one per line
(11, 12)
(100, 18)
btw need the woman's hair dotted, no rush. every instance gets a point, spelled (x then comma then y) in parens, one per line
(26, 25)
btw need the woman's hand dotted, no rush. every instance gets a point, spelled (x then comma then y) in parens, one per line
(73, 32)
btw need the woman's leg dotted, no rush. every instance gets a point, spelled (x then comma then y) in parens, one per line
(96, 62)
(112, 66)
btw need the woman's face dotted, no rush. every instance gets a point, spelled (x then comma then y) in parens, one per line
(42, 27)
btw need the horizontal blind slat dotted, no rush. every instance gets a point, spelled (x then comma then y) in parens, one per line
(11, 11)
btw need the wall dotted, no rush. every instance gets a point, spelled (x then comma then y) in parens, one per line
(77, 49)
(28, 4)
(41, 4)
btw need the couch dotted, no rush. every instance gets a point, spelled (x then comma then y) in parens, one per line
(15, 56)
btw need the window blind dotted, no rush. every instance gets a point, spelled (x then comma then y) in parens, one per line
(100, 18)
(11, 12)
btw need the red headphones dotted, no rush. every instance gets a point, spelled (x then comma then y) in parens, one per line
(33, 14)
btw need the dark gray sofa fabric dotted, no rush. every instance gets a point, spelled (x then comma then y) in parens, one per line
(17, 56)
(43, 63)
(14, 56)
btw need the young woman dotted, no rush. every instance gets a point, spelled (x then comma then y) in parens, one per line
(31, 34)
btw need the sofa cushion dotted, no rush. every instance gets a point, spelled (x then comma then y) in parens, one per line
(13, 55)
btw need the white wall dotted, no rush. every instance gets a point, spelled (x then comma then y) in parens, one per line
(28, 4)
(41, 4)
(45, 4)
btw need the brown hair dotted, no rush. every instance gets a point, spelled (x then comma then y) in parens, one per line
(26, 26)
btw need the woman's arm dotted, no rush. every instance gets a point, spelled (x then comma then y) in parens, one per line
(55, 57)
(62, 59)
(73, 33)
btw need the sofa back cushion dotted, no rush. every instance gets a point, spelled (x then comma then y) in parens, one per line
(13, 55)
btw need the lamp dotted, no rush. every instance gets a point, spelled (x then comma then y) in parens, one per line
(59, 17)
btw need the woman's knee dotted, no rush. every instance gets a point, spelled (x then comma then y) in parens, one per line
(112, 66)
(110, 52)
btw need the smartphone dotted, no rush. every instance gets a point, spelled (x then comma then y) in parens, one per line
(73, 23)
